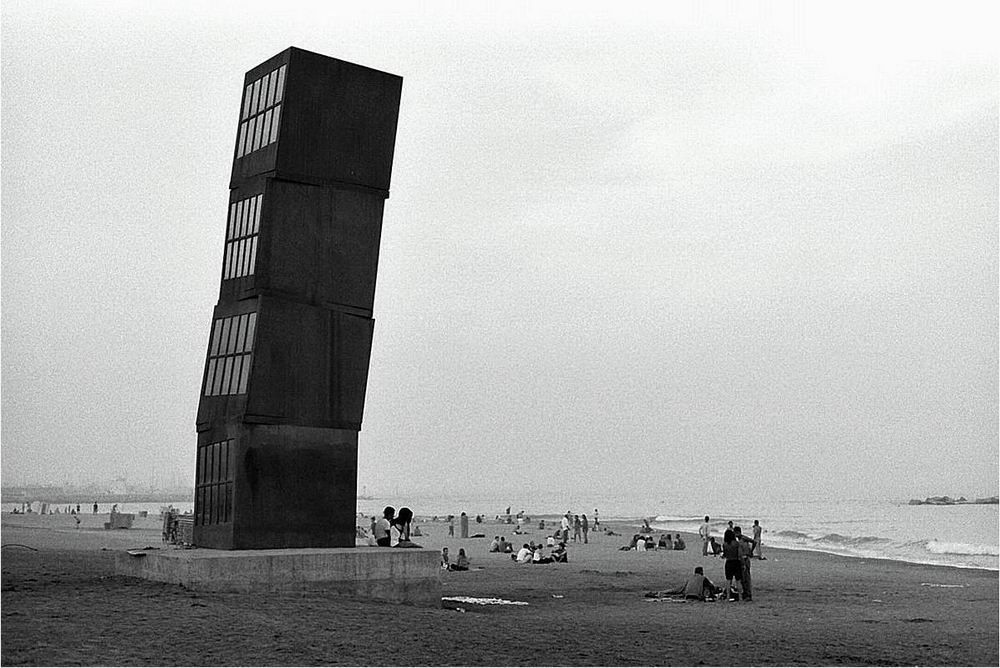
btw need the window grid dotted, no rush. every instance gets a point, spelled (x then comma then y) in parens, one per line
(214, 484)
(261, 112)
(241, 237)
(230, 355)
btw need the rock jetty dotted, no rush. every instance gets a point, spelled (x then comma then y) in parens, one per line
(948, 501)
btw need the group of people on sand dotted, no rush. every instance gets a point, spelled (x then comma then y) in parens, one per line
(643, 542)
(392, 530)
(737, 551)
(709, 543)
(461, 563)
(534, 553)
(500, 544)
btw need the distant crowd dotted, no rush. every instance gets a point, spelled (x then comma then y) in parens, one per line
(736, 549)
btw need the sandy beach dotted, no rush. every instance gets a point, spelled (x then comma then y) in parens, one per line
(63, 605)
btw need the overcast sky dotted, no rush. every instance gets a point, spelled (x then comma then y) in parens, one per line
(628, 247)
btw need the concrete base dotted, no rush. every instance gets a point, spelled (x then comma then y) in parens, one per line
(386, 574)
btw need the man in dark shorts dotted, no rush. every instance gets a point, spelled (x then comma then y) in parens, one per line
(734, 565)
(746, 546)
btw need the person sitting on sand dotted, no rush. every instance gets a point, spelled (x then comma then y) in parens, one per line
(697, 587)
(416, 531)
(640, 543)
(539, 558)
(494, 544)
(383, 535)
(505, 546)
(679, 543)
(523, 555)
(550, 541)
(445, 560)
(461, 563)
(716, 548)
(401, 524)
(559, 554)
(645, 527)
(663, 543)
(631, 544)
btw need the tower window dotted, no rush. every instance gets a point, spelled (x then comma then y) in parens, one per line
(230, 354)
(241, 237)
(214, 485)
(261, 112)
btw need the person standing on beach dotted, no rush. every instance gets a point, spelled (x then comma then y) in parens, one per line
(734, 567)
(586, 527)
(746, 550)
(597, 522)
(756, 539)
(576, 528)
(565, 527)
(451, 525)
(463, 525)
(703, 531)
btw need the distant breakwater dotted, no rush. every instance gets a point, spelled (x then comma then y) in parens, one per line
(60, 496)
(948, 501)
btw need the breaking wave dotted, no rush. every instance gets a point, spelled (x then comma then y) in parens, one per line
(938, 547)
(865, 545)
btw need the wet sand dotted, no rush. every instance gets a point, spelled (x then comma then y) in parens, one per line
(63, 605)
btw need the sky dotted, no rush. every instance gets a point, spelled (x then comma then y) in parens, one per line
(748, 246)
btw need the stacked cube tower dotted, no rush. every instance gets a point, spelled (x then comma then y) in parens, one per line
(287, 366)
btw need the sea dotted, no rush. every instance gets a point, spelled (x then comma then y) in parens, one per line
(965, 535)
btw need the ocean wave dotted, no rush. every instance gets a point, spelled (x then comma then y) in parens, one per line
(795, 535)
(853, 541)
(678, 518)
(939, 547)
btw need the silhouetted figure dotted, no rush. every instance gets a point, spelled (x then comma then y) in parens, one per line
(402, 523)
